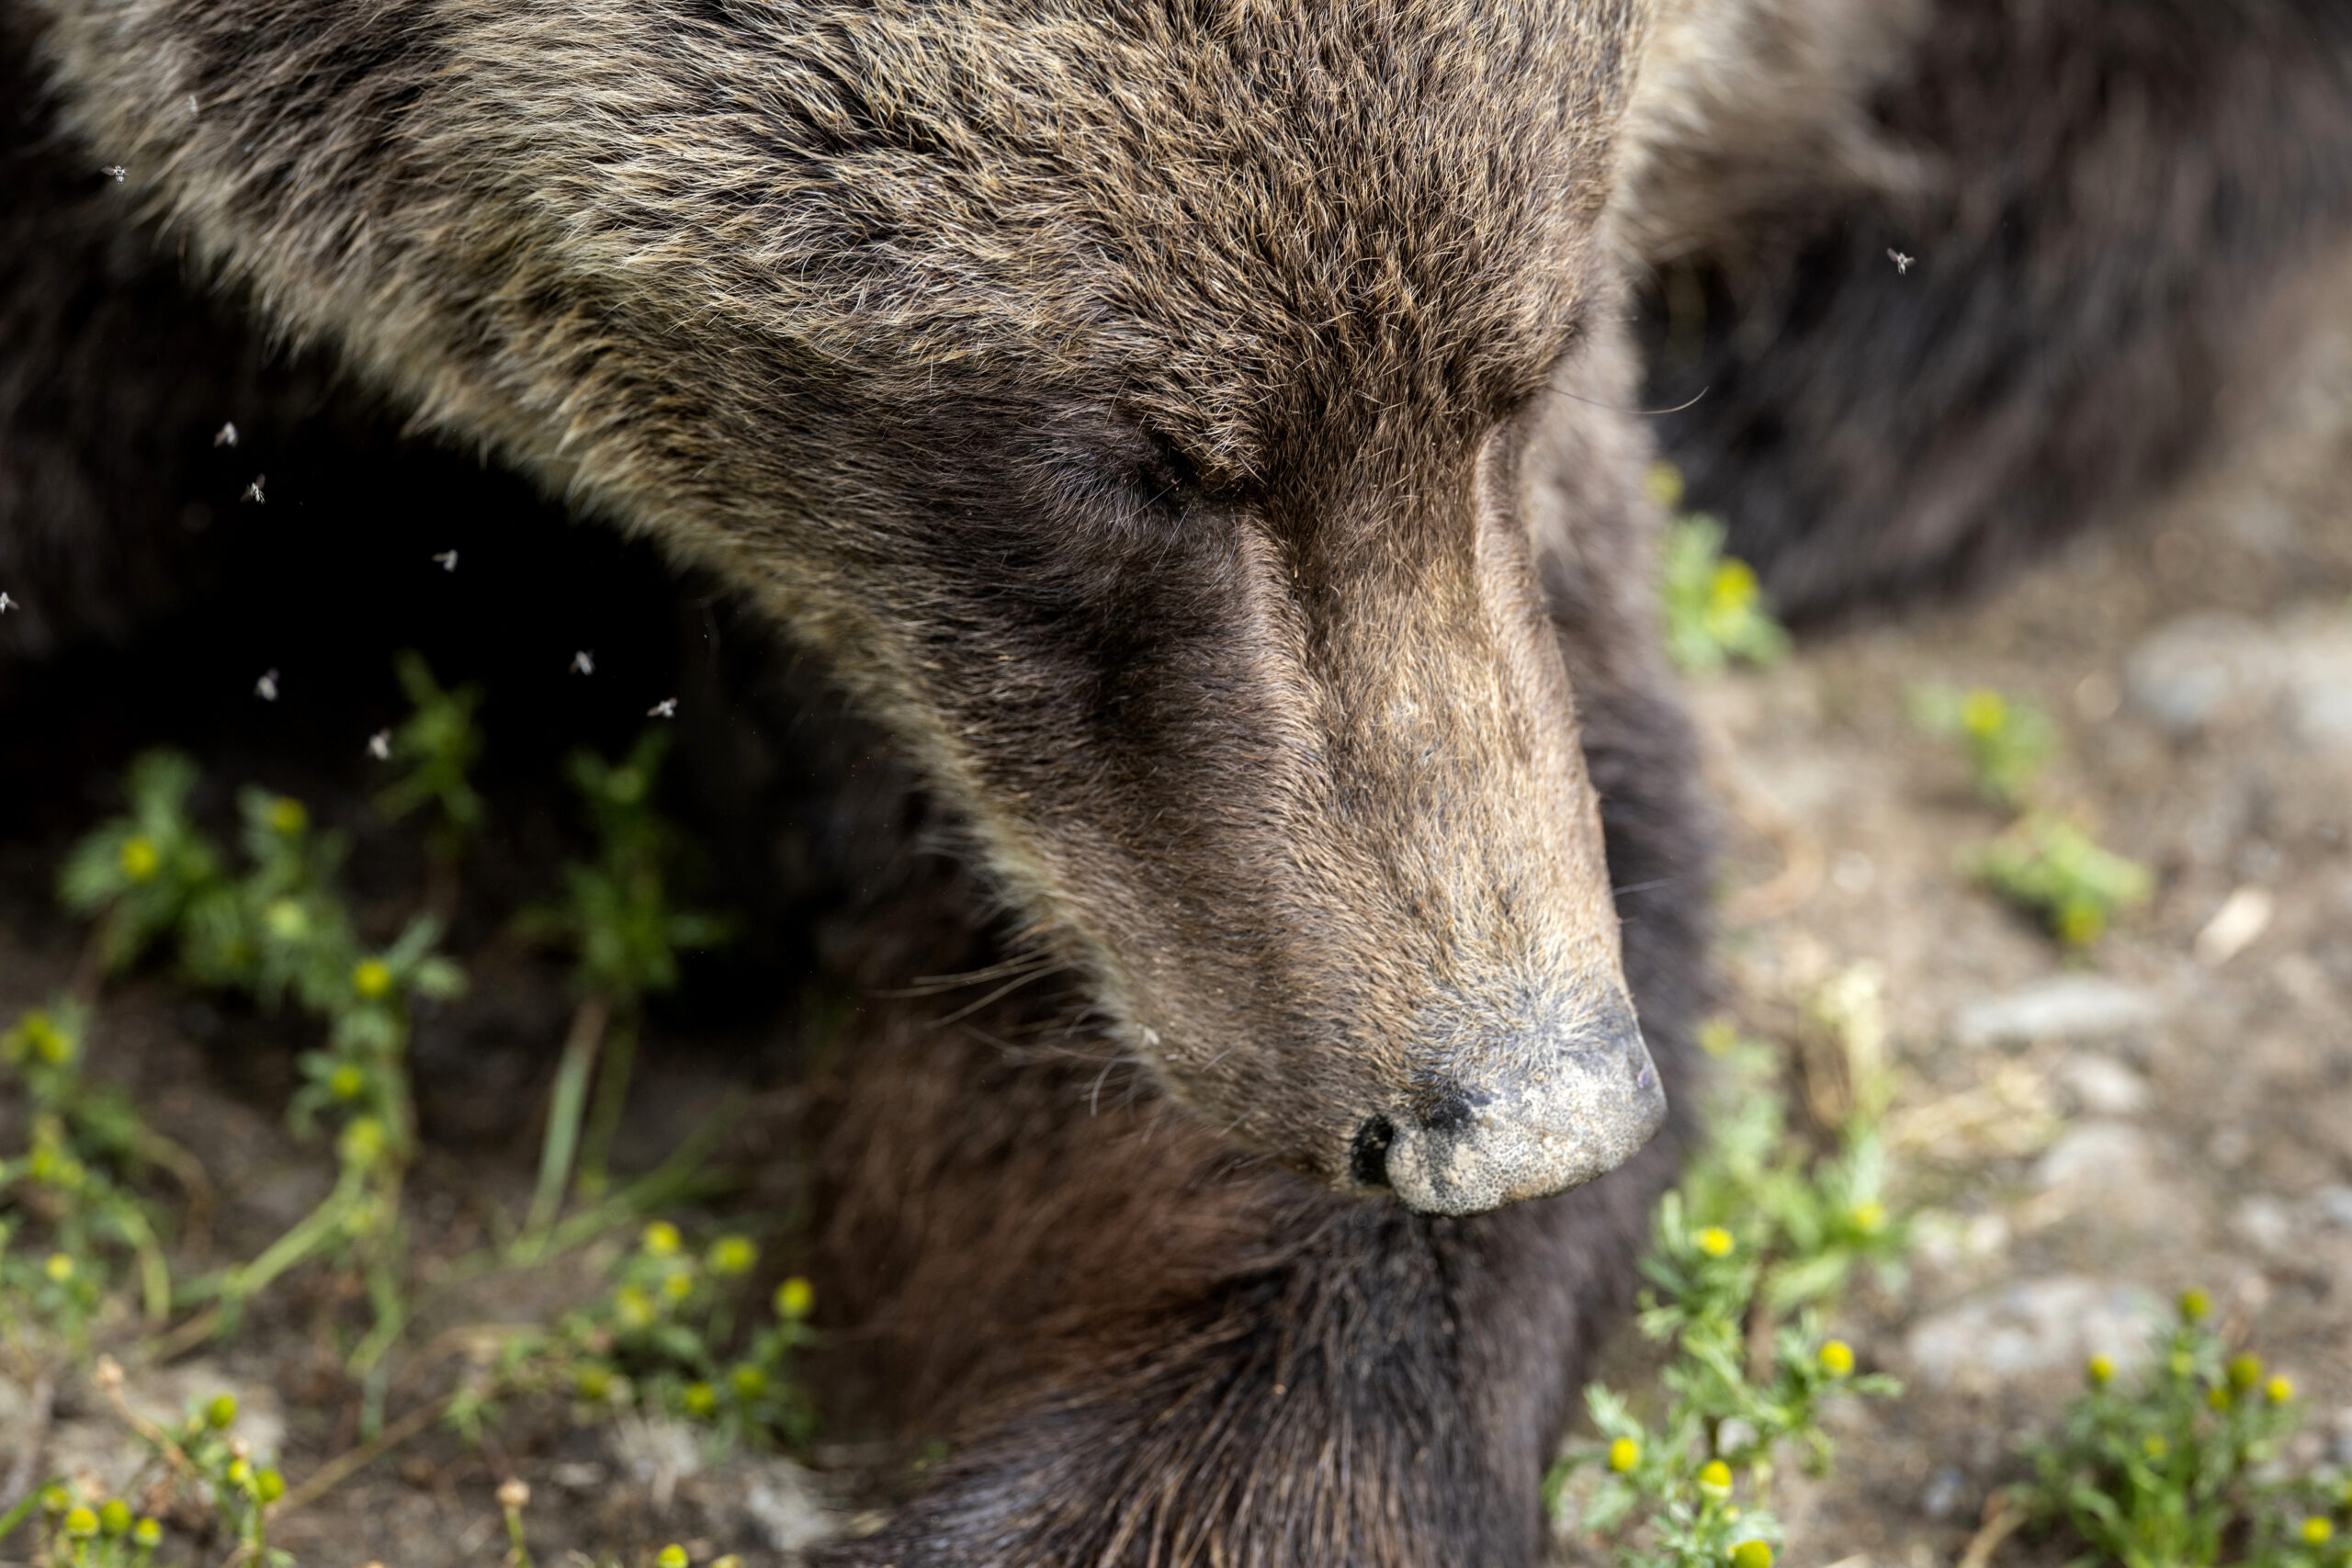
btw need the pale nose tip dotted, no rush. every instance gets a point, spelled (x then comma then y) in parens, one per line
(1544, 1126)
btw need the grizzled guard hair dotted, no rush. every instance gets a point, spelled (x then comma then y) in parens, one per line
(1199, 437)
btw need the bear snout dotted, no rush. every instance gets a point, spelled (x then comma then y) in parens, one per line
(1556, 1118)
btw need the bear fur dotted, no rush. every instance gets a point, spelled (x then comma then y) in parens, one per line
(1201, 438)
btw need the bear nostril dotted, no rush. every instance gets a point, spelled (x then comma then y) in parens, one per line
(1450, 1114)
(1368, 1156)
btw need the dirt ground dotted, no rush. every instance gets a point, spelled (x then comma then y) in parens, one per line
(2082, 1137)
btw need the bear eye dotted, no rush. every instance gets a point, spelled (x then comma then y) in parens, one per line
(1163, 477)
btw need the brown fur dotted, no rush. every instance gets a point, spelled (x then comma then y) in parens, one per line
(2108, 204)
(1218, 627)
(1198, 435)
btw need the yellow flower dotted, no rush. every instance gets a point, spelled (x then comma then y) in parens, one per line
(60, 1267)
(2217, 1397)
(220, 1412)
(1663, 483)
(795, 1299)
(2245, 1372)
(1869, 1216)
(661, 1238)
(1732, 589)
(673, 1556)
(1984, 712)
(371, 977)
(2194, 1305)
(115, 1517)
(286, 816)
(632, 1306)
(593, 1383)
(1714, 1478)
(2279, 1391)
(362, 1143)
(678, 1287)
(147, 1534)
(139, 859)
(2156, 1447)
(732, 1255)
(1836, 1357)
(2099, 1371)
(700, 1399)
(269, 1485)
(37, 1036)
(2079, 924)
(80, 1523)
(1713, 1240)
(1623, 1455)
(2317, 1530)
(346, 1082)
(748, 1382)
(1751, 1554)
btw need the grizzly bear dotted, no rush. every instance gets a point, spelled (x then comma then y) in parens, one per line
(1204, 439)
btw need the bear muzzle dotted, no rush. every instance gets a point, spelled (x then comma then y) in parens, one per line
(1556, 1121)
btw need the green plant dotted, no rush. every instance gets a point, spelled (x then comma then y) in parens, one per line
(2006, 740)
(617, 918)
(2180, 1468)
(2052, 868)
(199, 1462)
(437, 746)
(140, 874)
(1715, 609)
(76, 1180)
(1761, 1234)
(281, 932)
(74, 1530)
(662, 1338)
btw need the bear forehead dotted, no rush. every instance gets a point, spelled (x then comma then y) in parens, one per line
(1227, 218)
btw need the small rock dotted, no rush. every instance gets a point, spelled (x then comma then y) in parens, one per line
(579, 1476)
(2094, 1148)
(1943, 1239)
(2110, 1171)
(2263, 1222)
(2036, 1328)
(2334, 1205)
(2207, 670)
(2201, 669)
(1945, 1492)
(2244, 916)
(2063, 1006)
(2103, 1086)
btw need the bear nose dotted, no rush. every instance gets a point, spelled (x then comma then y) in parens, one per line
(1572, 1109)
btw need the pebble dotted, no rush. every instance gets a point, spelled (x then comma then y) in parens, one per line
(2044, 1328)
(2265, 1222)
(2103, 1086)
(1945, 1492)
(2110, 1171)
(2334, 1205)
(2063, 1006)
(2200, 669)
(2211, 670)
